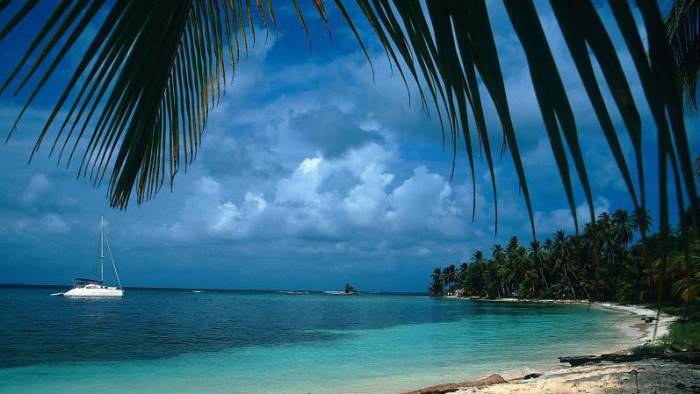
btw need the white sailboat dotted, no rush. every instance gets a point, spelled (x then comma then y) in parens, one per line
(95, 288)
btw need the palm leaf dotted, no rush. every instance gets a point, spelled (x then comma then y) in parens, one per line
(580, 25)
(137, 104)
(683, 30)
(486, 61)
(551, 96)
(144, 87)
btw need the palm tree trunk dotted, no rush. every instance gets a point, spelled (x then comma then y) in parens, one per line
(544, 278)
(568, 280)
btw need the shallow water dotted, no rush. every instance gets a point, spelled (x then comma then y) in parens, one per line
(243, 342)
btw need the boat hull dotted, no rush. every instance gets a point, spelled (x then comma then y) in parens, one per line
(104, 292)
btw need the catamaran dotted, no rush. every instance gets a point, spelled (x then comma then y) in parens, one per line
(96, 288)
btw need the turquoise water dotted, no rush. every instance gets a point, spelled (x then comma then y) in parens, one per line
(260, 342)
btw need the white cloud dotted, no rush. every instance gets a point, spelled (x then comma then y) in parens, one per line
(548, 222)
(368, 199)
(424, 202)
(307, 203)
(38, 184)
(51, 223)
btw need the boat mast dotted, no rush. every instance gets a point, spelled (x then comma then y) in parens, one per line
(102, 249)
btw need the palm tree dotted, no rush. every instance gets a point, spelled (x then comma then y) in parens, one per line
(490, 279)
(686, 281)
(137, 102)
(498, 256)
(475, 281)
(436, 288)
(578, 265)
(513, 264)
(641, 222)
(450, 278)
(593, 235)
(623, 227)
(528, 287)
(605, 235)
(564, 265)
(537, 258)
(561, 255)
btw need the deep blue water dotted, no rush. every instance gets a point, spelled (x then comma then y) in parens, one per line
(227, 341)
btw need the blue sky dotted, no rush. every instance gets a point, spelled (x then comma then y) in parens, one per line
(311, 175)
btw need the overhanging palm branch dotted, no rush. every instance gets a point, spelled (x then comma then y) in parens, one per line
(683, 29)
(137, 103)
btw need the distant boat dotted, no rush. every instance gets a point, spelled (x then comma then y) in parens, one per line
(349, 290)
(196, 291)
(96, 288)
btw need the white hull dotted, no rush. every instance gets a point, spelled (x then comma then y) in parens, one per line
(102, 292)
(92, 288)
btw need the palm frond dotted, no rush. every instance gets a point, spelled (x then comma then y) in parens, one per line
(551, 96)
(139, 99)
(683, 30)
(137, 103)
(581, 25)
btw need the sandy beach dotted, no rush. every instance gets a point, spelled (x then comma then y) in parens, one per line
(645, 376)
(644, 330)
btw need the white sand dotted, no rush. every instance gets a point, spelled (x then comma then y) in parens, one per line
(646, 330)
(651, 376)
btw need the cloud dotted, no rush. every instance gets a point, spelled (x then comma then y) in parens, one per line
(38, 184)
(309, 170)
(303, 205)
(53, 223)
(548, 222)
(424, 202)
(333, 132)
(50, 223)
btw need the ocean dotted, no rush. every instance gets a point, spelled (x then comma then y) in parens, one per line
(179, 341)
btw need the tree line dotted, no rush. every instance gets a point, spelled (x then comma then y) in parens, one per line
(612, 259)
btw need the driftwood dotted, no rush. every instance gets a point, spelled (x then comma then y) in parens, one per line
(684, 357)
(449, 387)
(575, 361)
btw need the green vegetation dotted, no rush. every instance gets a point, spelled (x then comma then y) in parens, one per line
(602, 263)
(684, 335)
(650, 350)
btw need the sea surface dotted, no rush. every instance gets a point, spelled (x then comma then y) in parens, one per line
(280, 342)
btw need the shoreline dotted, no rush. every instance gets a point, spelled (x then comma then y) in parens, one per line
(644, 330)
(659, 375)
